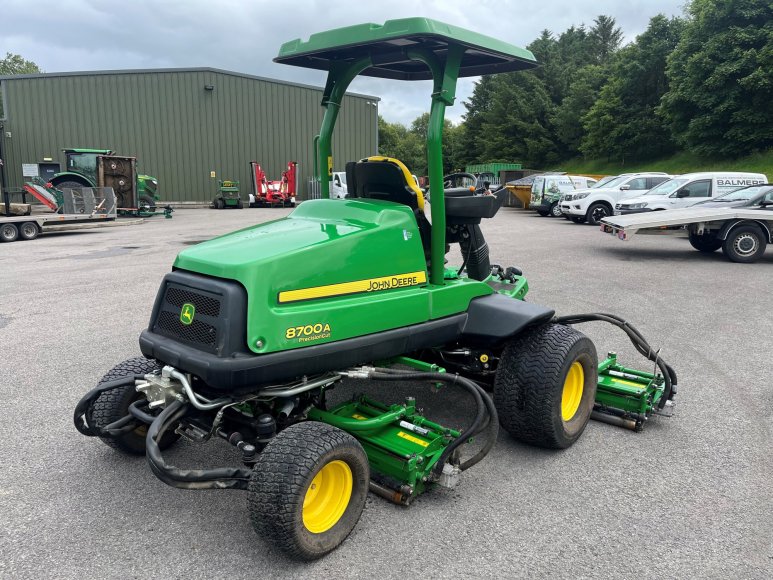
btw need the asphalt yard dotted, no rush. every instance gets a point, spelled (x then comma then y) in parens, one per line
(690, 496)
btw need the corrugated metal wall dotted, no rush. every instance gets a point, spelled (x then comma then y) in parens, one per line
(178, 130)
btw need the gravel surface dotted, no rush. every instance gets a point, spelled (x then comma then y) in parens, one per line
(688, 497)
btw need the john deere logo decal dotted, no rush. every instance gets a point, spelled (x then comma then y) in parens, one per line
(187, 313)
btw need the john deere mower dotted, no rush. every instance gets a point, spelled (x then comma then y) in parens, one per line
(251, 330)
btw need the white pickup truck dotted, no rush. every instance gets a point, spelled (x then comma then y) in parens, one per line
(742, 232)
(593, 204)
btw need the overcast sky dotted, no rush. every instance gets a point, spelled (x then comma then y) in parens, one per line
(244, 36)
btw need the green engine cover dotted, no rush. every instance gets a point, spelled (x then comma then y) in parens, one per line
(331, 270)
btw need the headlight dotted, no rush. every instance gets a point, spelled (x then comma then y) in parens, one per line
(581, 195)
(637, 205)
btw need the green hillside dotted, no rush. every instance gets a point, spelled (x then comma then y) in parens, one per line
(679, 163)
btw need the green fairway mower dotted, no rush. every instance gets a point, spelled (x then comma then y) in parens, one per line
(251, 330)
(227, 195)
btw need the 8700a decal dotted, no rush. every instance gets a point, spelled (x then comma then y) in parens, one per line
(308, 332)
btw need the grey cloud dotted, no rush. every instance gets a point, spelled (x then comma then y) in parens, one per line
(67, 35)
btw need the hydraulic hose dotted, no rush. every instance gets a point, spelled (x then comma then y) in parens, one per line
(81, 414)
(219, 478)
(475, 252)
(486, 415)
(638, 341)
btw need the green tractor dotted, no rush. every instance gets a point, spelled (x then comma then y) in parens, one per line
(82, 172)
(252, 329)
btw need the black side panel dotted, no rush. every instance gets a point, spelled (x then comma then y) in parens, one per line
(219, 322)
(244, 372)
(495, 318)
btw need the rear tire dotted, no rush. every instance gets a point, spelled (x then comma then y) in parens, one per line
(8, 233)
(308, 489)
(745, 244)
(239, 204)
(545, 386)
(543, 213)
(71, 185)
(114, 404)
(708, 244)
(28, 231)
(219, 203)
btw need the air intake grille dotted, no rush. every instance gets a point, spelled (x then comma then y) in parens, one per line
(205, 328)
(204, 304)
(198, 331)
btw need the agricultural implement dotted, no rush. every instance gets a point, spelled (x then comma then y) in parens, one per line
(252, 329)
(134, 192)
(280, 193)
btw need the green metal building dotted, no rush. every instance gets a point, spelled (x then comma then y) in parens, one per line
(183, 125)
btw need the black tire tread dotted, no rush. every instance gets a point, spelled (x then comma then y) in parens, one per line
(111, 405)
(530, 366)
(281, 476)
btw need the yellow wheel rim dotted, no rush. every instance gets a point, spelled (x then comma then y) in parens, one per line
(327, 497)
(572, 394)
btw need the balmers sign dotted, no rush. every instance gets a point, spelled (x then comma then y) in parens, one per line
(355, 287)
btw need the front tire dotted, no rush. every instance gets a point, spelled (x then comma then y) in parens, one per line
(545, 386)
(114, 404)
(148, 202)
(707, 244)
(578, 219)
(308, 489)
(596, 213)
(543, 213)
(555, 210)
(745, 244)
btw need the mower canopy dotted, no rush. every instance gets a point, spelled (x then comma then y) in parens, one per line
(389, 47)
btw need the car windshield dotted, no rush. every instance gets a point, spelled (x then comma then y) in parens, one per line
(603, 182)
(667, 187)
(615, 181)
(744, 194)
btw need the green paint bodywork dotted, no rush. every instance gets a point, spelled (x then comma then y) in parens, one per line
(326, 242)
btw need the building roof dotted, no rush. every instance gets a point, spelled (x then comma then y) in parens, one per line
(89, 73)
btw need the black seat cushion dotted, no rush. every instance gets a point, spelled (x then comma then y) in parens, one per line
(383, 180)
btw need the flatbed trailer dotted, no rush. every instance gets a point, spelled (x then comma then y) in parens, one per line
(88, 205)
(741, 232)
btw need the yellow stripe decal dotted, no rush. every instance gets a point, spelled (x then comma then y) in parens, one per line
(412, 439)
(369, 285)
(629, 383)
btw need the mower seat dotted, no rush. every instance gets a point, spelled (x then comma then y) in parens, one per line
(388, 179)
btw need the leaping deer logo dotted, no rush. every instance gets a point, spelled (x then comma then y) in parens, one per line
(187, 313)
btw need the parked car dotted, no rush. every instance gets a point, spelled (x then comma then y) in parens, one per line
(548, 188)
(594, 204)
(745, 197)
(689, 189)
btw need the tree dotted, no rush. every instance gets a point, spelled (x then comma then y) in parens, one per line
(13, 64)
(604, 39)
(622, 123)
(721, 88)
(581, 96)
(517, 124)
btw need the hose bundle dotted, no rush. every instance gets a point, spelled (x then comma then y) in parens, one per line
(639, 342)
